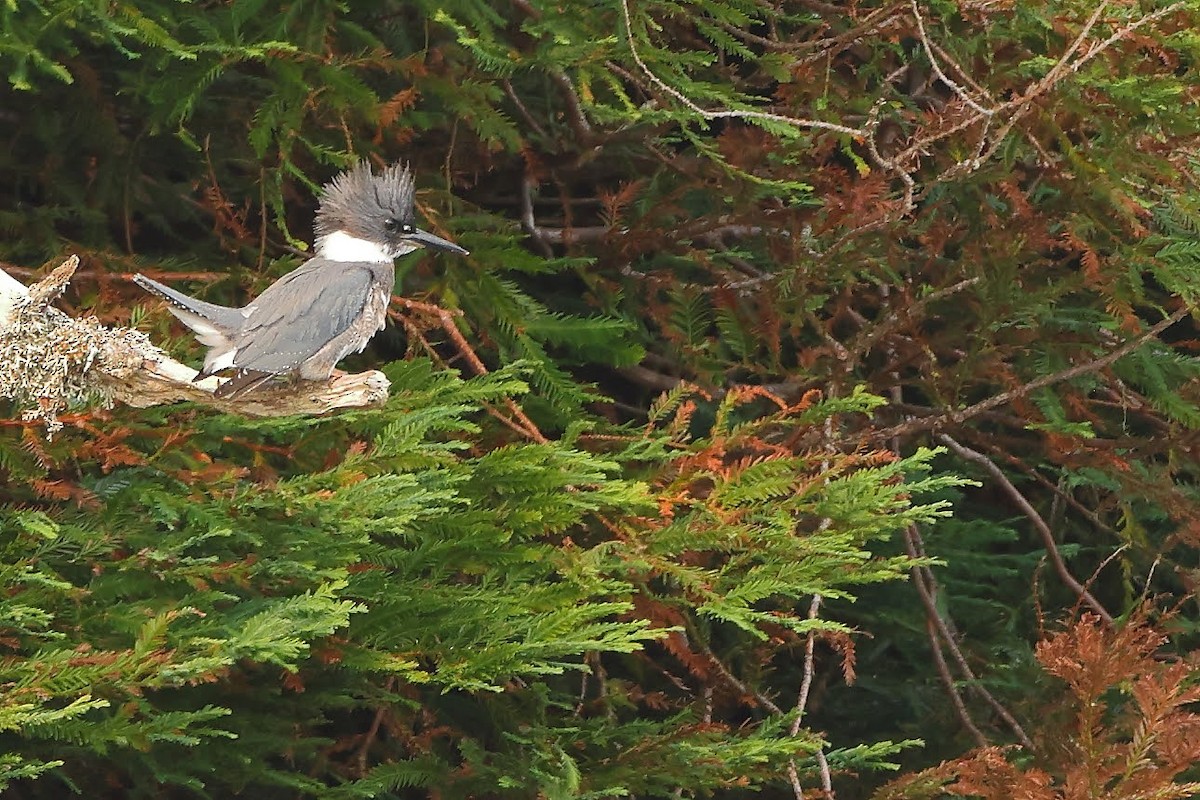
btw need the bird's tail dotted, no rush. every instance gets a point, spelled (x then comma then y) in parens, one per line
(203, 318)
(245, 381)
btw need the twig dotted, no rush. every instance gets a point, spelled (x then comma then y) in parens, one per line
(937, 67)
(373, 731)
(529, 119)
(937, 630)
(924, 424)
(527, 427)
(738, 114)
(806, 683)
(943, 671)
(1066, 497)
(1123, 32)
(1063, 62)
(1022, 103)
(579, 121)
(926, 585)
(881, 18)
(962, 451)
(862, 344)
(733, 680)
(810, 642)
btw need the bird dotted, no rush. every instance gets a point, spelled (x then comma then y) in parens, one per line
(329, 306)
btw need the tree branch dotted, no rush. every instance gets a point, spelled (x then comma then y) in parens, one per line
(1064, 574)
(939, 632)
(930, 423)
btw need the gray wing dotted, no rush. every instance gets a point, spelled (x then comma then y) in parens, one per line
(298, 315)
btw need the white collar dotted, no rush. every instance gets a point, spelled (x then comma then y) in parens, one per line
(341, 246)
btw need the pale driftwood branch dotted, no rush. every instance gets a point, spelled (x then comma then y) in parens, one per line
(11, 290)
(49, 359)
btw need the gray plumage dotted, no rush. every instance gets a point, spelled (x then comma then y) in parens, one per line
(330, 306)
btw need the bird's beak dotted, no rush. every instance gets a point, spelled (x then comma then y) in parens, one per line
(426, 239)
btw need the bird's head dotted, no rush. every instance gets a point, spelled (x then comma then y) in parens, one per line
(369, 217)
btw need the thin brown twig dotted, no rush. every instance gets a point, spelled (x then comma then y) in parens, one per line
(373, 731)
(881, 18)
(522, 109)
(1022, 102)
(1066, 497)
(526, 426)
(863, 343)
(415, 332)
(943, 671)
(910, 427)
(477, 365)
(926, 587)
(1047, 535)
(733, 680)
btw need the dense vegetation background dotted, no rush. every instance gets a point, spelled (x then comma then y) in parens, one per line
(819, 399)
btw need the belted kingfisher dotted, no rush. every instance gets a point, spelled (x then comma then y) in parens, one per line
(331, 305)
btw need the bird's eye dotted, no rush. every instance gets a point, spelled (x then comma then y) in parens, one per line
(406, 228)
(391, 226)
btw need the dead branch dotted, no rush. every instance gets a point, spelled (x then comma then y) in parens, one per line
(938, 629)
(1047, 536)
(49, 360)
(519, 421)
(933, 422)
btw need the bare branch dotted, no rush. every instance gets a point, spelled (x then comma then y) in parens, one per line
(735, 114)
(733, 680)
(937, 67)
(943, 670)
(962, 451)
(524, 111)
(932, 423)
(814, 608)
(578, 119)
(926, 585)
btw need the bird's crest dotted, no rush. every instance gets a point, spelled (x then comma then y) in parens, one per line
(359, 194)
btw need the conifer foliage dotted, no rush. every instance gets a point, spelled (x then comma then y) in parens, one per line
(813, 363)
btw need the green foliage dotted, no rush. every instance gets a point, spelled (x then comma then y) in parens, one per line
(743, 266)
(209, 599)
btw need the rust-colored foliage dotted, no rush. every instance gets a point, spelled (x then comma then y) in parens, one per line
(1123, 729)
